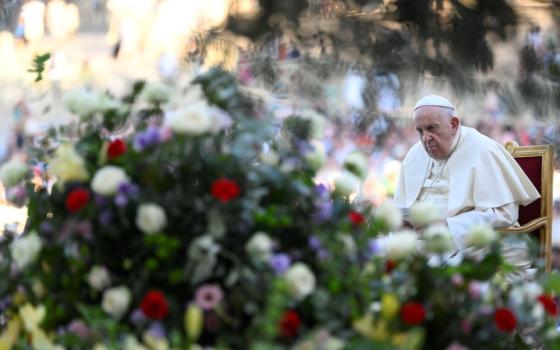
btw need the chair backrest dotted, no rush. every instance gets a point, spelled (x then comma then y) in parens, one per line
(537, 163)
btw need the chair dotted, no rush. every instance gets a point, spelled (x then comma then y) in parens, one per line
(536, 218)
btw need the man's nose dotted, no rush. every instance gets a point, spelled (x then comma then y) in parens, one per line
(426, 137)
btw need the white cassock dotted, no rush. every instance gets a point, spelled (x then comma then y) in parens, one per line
(479, 182)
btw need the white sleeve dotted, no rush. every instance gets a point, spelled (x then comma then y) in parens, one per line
(503, 216)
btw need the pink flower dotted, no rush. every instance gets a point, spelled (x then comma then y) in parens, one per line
(457, 280)
(456, 346)
(208, 296)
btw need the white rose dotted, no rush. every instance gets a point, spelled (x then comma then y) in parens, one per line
(131, 343)
(150, 218)
(401, 244)
(438, 239)
(424, 214)
(107, 103)
(25, 249)
(106, 180)
(357, 163)
(347, 183)
(115, 301)
(532, 290)
(538, 313)
(317, 121)
(98, 278)
(390, 215)
(269, 157)
(100, 346)
(68, 165)
(480, 236)
(12, 172)
(156, 93)
(81, 102)
(348, 243)
(194, 119)
(317, 156)
(259, 246)
(301, 281)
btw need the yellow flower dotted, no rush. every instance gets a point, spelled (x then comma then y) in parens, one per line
(376, 330)
(10, 334)
(31, 316)
(389, 306)
(155, 343)
(193, 319)
(68, 165)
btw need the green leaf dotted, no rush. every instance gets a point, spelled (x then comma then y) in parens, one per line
(38, 65)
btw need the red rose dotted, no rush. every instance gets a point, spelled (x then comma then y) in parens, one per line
(116, 148)
(77, 199)
(290, 324)
(154, 305)
(390, 265)
(413, 313)
(505, 319)
(225, 189)
(549, 304)
(356, 218)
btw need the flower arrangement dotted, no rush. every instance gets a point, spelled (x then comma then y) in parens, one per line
(161, 222)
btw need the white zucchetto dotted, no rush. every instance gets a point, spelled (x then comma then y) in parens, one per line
(433, 100)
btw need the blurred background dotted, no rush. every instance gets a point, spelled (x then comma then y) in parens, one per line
(357, 66)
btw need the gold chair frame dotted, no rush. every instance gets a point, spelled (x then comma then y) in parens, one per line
(544, 222)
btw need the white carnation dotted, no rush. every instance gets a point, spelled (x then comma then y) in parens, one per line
(150, 218)
(389, 215)
(195, 119)
(98, 278)
(68, 165)
(131, 343)
(301, 280)
(82, 102)
(438, 239)
(115, 301)
(424, 214)
(480, 236)
(347, 183)
(106, 180)
(259, 246)
(401, 244)
(12, 172)
(357, 163)
(269, 157)
(317, 156)
(156, 93)
(25, 249)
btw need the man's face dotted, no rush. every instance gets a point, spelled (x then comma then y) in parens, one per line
(436, 130)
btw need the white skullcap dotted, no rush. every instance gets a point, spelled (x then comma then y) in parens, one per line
(433, 100)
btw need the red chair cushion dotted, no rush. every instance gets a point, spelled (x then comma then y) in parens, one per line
(532, 166)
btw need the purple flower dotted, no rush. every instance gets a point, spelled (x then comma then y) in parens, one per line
(79, 328)
(323, 254)
(101, 201)
(322, 191)
(105, 218)
(280, 262)
(323, 211)
(373, 247)
(314, 242)
(137, 317)
(46, 228)
(125, 192)
(146, 138)
(157, 330)
(208, 296)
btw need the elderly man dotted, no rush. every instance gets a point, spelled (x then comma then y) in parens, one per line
(469, 177)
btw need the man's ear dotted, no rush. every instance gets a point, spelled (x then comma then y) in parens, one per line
(455, 122)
